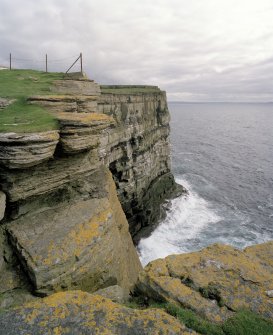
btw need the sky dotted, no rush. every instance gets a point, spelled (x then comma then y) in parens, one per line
(198, 50)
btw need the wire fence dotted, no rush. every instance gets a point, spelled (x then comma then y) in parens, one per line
(46, 63)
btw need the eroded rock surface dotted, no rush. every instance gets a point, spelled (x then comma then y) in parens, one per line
(215, 281)
(80, 132)
(19, 151)
(138, 152)
(82, 244)
(76, 312)
(62, 219)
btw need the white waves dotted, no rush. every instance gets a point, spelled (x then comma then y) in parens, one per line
(185, 220)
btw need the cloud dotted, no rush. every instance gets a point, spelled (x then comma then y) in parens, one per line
(199, 50)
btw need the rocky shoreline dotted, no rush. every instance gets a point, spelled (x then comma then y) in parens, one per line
(71, 202)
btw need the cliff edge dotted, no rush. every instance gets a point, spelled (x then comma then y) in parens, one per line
(62, 225)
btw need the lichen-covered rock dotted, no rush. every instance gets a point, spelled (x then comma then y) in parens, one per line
(114, 293)
(76, 312)
(214, 281)
(85, 244)
(80, 132)
(19, 151)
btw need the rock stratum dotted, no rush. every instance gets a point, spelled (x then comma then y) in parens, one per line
(64, 192)
(71, 200)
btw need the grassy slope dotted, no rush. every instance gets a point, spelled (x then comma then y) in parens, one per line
(243, 323)
(21, 116)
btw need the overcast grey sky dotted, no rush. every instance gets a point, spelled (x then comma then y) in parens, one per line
(198, 50)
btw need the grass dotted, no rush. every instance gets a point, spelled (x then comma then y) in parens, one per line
(20, 116)
(23, 83)
(248, 323)
(244, 322)
(129, 89)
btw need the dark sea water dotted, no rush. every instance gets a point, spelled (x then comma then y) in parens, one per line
(223, 154)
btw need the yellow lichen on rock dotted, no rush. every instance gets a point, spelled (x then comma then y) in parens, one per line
(214, 279)
(77, 239)
(88, 314)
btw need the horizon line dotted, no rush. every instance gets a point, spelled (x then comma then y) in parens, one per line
(220, 102)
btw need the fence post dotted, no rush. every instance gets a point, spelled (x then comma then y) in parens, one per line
(81, 61)
(10, 61)
(46, 62)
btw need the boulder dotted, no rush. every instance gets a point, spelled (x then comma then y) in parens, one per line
(215, 281)
(83, 244)
(76, 312)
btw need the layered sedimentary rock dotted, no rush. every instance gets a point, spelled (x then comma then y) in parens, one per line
(25, 150)
(84, 244)
(76, 312)
(61, 217)
(214, 282)
(137, 150)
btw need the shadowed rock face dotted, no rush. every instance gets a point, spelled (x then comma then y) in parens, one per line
(215, 281)
(76, 312)
(138, 153)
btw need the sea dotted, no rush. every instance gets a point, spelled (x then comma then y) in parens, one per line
(223, 154)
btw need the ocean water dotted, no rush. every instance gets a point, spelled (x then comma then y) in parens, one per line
(223, 154)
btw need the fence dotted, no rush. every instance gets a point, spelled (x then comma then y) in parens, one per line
(46, 63)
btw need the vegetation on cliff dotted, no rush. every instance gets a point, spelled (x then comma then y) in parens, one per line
(20, 115)
(129, 89)
(244, 322)
(219, 290)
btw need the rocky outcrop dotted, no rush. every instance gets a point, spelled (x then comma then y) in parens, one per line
(66, 103)
(26, 150)
(83, 244)
(76, 312)
(61, 217)
(214, 282)
(80, 132)
(14, 289)
(5, 102)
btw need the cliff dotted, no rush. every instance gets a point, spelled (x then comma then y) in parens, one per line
(138, 151)
(86, 160)
(61, 222)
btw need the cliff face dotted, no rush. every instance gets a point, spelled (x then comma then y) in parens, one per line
(61, 222)
(137, 150)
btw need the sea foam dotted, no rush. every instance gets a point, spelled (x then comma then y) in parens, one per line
(187, 217)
